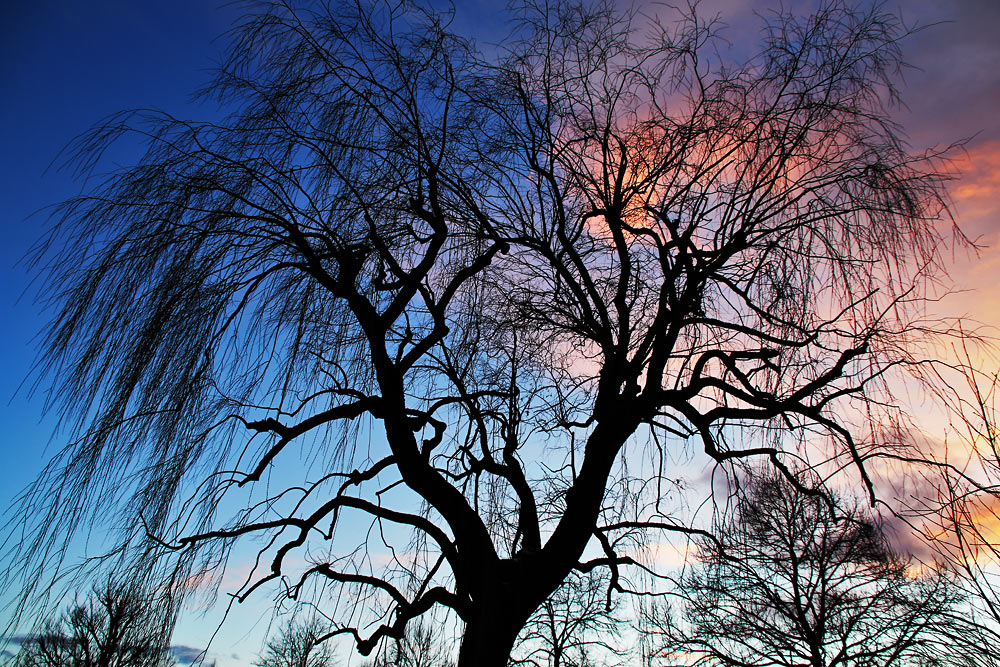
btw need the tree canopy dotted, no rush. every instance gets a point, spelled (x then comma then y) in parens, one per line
(427, 325)
(113, 627)
(796, 579)
(297, 645)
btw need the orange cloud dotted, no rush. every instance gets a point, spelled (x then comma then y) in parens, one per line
(977, 193)
(974, 276)
(984, 515)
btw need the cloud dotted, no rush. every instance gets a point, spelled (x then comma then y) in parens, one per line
(187, 654)
(977, 192)
(983, 512)
(663, 556)
(906, 540)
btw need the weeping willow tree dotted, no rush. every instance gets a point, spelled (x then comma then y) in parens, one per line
(425, 328)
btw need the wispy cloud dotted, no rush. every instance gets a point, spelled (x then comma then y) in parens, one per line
(187, 654)
(977, 193)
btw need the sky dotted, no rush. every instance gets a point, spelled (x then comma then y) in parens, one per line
(65, 64)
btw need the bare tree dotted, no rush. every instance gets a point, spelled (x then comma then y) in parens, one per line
(422, 645)
(114, 627)
(483, 297)
(579, 621)
(796, 579)
(298, 645)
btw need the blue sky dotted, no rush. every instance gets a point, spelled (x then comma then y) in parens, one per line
(64, 64)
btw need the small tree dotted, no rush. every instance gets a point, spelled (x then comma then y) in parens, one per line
(298, 645)
(796, 578)
(421, 646)
(115, 627)
(579, 619)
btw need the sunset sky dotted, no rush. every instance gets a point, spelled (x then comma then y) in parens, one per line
(64, 64)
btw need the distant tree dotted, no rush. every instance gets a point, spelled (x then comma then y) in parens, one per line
(484, 295)
(798, 579)
(298, 644)
(422, 645)
(576, 623)
(114, 627)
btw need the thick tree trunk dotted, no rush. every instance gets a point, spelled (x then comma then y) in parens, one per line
(507, 592)
(489, 641)
(504, 602)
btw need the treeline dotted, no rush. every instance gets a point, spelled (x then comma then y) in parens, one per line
(788, 576)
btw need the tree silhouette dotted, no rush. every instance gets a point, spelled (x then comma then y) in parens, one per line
(797, 579)
(435, 320)
(422, 645)
(298, 645)
(580, 619)
(115, 627)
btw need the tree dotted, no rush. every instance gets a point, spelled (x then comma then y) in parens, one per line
(799, 579)
(115, 627)
(483, 296)
(298, 645)
(420, 646)
(578, 620)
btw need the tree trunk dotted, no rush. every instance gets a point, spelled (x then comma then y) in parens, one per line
(490, 636)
